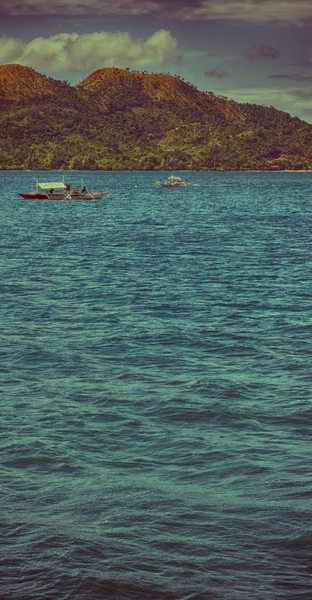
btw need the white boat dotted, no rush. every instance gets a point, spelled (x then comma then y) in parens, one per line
(59, 190)
(174, 181)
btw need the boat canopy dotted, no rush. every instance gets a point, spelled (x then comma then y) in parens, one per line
(50, 184)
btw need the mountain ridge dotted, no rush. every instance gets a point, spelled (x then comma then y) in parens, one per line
(121, 119)
(19, 83)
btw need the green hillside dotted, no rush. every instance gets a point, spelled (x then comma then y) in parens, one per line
(120, 119)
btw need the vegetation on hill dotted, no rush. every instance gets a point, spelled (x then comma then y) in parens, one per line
(120, 119)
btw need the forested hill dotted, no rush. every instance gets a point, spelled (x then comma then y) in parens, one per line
(122, 119)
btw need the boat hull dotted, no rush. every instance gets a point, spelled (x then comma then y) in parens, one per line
(174, 185)
(174, 182)
(34, 196)
(62, 196)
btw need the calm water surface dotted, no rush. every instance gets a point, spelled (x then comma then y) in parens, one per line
(156, 389)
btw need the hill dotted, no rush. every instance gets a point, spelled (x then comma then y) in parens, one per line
(19, 83)
(122, 119)
(113, 87)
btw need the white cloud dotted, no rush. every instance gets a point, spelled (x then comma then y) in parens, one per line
(87, 52)
(10, 49)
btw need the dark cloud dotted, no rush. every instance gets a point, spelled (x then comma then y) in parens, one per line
(293, 77)
(291, 12)
(303, 94)
(263, 51)
(218, 73)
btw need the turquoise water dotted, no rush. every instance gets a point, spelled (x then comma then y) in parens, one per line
(156, 389)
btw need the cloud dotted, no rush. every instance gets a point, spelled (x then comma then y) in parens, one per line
(291, 12)
(290, 99)
(262, 51)
(293, 77)
(305, 95)
(10, 49)
(87, 52)
(80, 7)
(218, 73)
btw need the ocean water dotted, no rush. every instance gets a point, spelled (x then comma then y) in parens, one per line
(156, 389)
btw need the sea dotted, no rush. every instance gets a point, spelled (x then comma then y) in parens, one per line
(156, 388)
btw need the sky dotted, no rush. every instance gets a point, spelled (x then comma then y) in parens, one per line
(255, 51)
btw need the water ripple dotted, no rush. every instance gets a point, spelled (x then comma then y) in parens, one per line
(156, 390)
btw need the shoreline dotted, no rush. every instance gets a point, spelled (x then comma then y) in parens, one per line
(156, 170)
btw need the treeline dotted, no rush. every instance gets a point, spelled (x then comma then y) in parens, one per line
(77, 129)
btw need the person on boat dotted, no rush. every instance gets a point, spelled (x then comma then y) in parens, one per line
(51, 191)
(84, 190)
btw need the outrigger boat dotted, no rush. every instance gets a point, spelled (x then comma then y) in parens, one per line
(58, 190)
(174, 181)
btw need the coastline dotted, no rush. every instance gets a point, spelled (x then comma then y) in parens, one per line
(4, 169)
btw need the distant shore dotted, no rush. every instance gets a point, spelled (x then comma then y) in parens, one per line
(158, 170)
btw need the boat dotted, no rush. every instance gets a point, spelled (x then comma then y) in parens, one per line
(174, 181)
(59, 190)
